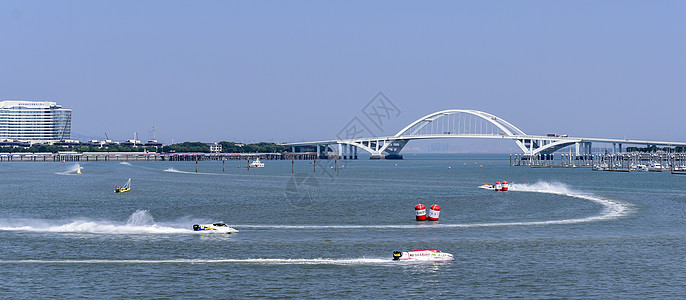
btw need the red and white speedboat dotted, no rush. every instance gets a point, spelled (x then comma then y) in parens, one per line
(422, 255)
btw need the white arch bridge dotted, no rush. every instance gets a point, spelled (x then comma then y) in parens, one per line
(461, 123)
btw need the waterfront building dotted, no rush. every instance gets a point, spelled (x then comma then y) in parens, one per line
(132, 143)
(215, 147)
(34, 121)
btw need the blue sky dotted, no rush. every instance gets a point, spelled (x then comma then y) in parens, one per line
(301, 70)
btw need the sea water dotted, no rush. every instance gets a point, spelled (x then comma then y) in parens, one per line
(329, 231)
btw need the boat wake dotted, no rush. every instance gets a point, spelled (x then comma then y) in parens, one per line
(125, 163)
(140, 222)
(172, 170)
(611, 209)
(70, 171)
(257, 261)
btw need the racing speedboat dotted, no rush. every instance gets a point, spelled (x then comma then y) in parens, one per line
(422, 255)
(214, 228)
(487, 186)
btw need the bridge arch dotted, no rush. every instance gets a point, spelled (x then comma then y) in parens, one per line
(457, 124)
(463, 123)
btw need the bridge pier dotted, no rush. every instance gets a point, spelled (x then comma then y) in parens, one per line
(324, 154)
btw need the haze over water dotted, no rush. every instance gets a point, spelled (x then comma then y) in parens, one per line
(557, 233)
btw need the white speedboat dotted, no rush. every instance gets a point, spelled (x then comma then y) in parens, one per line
(601, 167)
(422, 255)
(655, 167)
(487, 186)
(214, 228)
(640, 168)
(256, 163)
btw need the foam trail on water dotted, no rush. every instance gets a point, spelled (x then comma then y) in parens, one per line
(71, 170)
(611, 210)
(124, 163)
(259, 261)
(140, 222)
(172, 170)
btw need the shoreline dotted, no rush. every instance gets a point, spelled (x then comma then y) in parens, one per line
(148, 156)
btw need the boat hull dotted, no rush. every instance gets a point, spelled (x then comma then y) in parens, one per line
(422, 255)
(214, 228)
(487, 187)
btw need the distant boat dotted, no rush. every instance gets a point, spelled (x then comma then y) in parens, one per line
(601, 167)
(655, 167)
(125, 188)
(640, 168)
(256, 163)
(681, 170)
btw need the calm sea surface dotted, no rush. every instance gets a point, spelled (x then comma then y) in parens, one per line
(558, 233)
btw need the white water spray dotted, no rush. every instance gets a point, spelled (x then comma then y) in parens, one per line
(140, 218)
(257, 261)
(140, 222)
(71, 171)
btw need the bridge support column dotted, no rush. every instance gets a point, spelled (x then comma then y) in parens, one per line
(355, 152)
(323, 153)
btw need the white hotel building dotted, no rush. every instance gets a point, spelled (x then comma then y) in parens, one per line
(34, 121)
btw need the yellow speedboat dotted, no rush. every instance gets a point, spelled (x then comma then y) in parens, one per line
(125, 188)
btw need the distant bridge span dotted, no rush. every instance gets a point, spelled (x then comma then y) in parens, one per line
(463, 123)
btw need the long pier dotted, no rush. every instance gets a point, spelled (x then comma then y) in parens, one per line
(141, 156)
